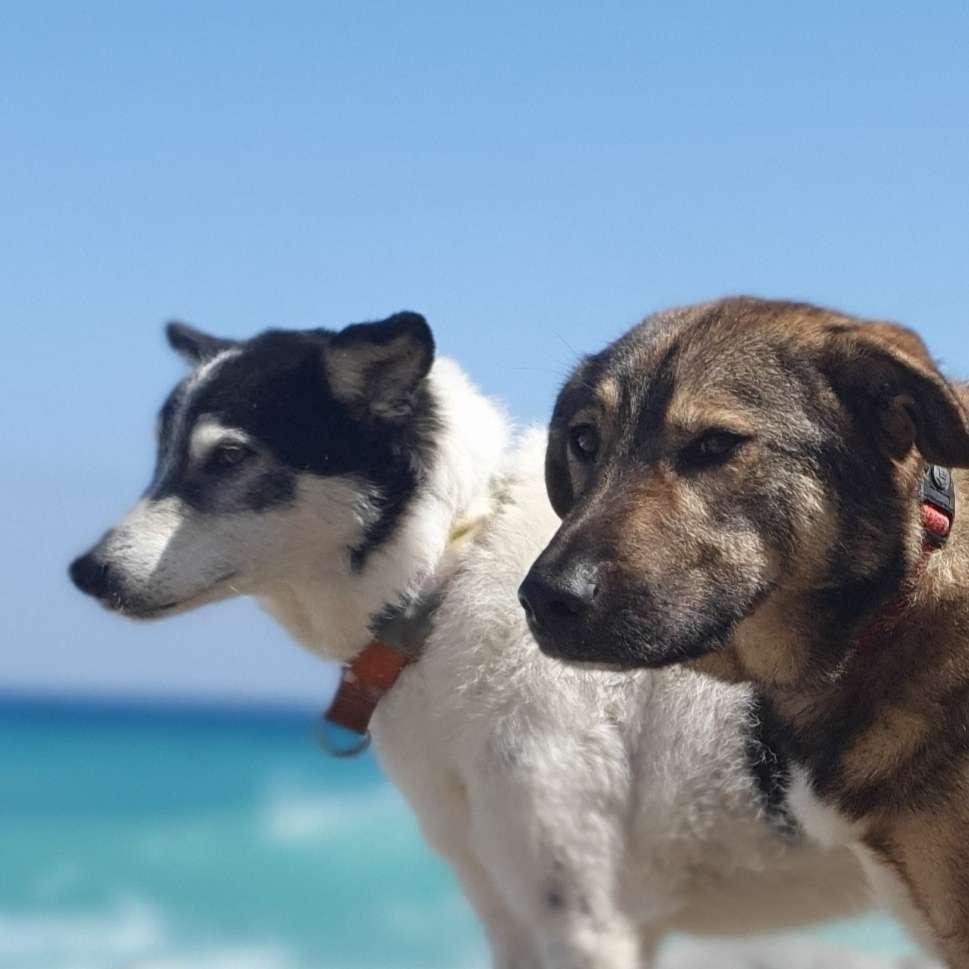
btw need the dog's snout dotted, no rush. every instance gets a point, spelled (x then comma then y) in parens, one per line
(555, 599)
(90, 574)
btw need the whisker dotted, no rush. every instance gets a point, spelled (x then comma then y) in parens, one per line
(567, 344)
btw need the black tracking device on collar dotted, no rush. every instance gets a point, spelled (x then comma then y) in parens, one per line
(939, 489)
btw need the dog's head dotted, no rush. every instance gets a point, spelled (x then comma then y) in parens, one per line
(723, 454)
(273, 453)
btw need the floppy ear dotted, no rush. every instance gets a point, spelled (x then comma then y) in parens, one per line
(558, 481)
(885, 372)
(379, 366)
(193, 345)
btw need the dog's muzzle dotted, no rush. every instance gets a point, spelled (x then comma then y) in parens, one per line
(559, 603)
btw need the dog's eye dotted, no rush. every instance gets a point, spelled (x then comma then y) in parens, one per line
(712, 447)
(229, 455)
(584, 441)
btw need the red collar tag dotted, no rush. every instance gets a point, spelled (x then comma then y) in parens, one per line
(938, 497)
(937, 525)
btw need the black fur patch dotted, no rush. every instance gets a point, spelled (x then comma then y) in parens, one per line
(555, 900)
(277, 487)
(275, 390)
(654, 405)
(769, 765)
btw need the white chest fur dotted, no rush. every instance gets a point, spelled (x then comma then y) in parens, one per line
(829, 827)
(823, 822)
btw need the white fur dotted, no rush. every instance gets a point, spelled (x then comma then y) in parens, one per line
(822, 822)
(585, 812)
(829, 827)
(209, 434)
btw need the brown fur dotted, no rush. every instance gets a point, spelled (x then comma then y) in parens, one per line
(767, 565)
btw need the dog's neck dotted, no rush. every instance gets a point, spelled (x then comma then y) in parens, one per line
(790, 648)
(329, 608)
(805, 665)
(861, 714)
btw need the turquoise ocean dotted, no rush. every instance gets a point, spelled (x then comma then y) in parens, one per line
(160, 835)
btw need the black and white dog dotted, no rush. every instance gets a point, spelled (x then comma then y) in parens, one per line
(585, 812)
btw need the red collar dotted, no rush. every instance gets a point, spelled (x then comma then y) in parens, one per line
(937, 509)
(399, 637)
(363, 684)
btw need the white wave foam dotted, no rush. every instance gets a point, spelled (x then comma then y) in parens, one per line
(129, 929)
(257, 957)
(295, 815)
(130, 934)
(410, 918)
(791, 952)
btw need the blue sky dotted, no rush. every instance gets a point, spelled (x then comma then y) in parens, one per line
(532, 177)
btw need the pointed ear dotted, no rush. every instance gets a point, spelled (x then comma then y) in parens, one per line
(886, 374)
(193, 345)
(378, 367)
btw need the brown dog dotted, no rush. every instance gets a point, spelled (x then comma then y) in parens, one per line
(762, 489)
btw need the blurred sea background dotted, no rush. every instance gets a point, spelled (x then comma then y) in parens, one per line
(195, 835)
(172, 835)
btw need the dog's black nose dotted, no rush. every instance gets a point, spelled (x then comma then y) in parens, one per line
(557, 599)
(90, 574)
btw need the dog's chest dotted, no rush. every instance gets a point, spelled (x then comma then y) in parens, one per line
(828, 826)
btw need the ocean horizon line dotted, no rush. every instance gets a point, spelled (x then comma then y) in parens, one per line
(59, 703)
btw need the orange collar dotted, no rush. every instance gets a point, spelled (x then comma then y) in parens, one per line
(363, 684)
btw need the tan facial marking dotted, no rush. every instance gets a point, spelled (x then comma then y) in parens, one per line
(695, 408)
(607, 395)
(757, 639)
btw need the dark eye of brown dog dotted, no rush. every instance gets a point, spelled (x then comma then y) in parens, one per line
(584, 441)
(712, 447)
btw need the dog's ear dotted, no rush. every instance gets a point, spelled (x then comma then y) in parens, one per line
(887, 375)
(378, 367)
(193, 345)
(558, 480)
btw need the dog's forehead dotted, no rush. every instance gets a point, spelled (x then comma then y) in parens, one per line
(272, 371)
(616, 381)
(252, 386)
(714, 354)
